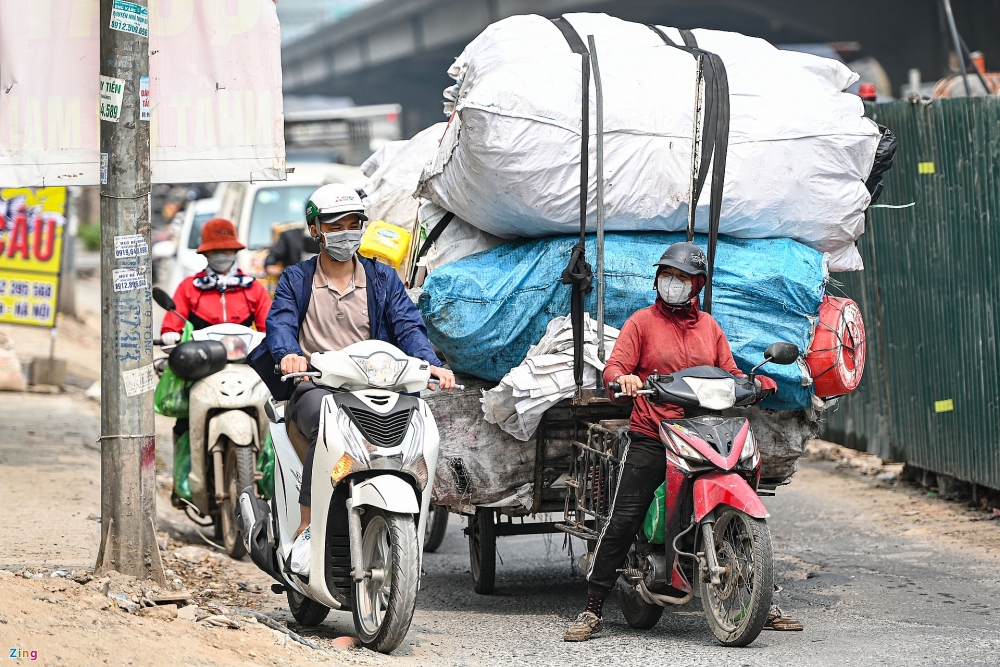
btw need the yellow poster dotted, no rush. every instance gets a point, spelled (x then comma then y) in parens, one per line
(32, 222)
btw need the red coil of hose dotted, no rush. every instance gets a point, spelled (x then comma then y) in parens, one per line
(837, 358)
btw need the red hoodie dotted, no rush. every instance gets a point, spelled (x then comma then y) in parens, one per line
(204, 307)
(666, 340)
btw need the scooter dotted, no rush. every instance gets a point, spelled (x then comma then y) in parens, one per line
(372, 478)
(716, 544)
(226, 414)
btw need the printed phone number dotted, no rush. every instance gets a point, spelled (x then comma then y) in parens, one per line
(129, 25)
(26, 288)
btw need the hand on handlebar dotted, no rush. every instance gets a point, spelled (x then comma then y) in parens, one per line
(169, 338)
(446, 379)
(766, 385)
(630, 385)
(294, 363)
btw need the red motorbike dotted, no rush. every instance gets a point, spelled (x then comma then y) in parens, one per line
(715, 542)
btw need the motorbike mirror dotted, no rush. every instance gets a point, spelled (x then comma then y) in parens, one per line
(163, 299)
(782, 353)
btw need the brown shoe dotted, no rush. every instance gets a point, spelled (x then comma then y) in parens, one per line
(778, 620)
(586, 625)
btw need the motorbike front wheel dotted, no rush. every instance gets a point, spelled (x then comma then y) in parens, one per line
(238, 467)
(385, 599)
(737, 608)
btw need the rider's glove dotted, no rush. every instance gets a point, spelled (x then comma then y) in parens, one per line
(766, 385)
(170, 338)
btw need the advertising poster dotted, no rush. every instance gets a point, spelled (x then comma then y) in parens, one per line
(212, 95)
(32, 223)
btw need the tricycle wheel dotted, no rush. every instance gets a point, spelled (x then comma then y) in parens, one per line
(483, 549)
(637, 612)
(737, 608)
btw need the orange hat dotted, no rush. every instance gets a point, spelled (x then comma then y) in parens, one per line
(219, 234)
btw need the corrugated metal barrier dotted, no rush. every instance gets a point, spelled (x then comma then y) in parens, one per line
(930, 296)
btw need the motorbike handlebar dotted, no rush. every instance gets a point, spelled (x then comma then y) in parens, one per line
(305, 374)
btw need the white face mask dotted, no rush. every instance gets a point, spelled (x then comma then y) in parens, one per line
(673, 290)
(341, 246)
(220, 261)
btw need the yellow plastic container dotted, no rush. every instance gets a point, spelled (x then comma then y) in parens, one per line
(385, 242)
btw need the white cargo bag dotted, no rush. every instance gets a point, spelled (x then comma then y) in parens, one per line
(799, 148)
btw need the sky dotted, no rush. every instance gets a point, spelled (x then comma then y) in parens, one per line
(300, 17)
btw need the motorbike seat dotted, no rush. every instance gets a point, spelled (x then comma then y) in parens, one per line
(299, 441)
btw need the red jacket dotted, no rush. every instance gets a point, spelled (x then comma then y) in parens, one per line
(666, 340)
(237, 305)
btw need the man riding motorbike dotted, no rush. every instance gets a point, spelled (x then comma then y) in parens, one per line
(327, 303)
(219, 294)
(671, 335)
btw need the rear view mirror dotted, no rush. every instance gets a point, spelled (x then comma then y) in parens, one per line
(782, 353)
(165, 302)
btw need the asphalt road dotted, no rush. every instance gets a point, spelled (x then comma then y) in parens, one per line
(865, 595)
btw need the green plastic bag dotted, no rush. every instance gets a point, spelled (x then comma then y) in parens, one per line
(171, 396)
(265, 466)
(182, 466)
(656, 516)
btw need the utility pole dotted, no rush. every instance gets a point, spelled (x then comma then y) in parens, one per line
(128, 482)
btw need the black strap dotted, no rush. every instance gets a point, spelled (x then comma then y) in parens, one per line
(572, 36)
(577, 272)
(715, 142)
(431, 238)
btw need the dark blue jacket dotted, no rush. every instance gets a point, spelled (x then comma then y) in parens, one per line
(393, 317)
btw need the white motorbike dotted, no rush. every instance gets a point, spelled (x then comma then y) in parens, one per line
(372, 476)
(227, 425)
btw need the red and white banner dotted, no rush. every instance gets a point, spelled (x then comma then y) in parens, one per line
(214, 92)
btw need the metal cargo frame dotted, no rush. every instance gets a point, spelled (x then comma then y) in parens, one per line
(929, 294)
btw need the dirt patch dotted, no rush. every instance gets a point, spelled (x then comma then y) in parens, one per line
(67, 623)
(879, 494)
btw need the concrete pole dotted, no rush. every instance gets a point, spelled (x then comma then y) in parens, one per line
(128, 483)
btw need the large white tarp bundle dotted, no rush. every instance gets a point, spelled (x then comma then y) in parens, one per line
(799, 153)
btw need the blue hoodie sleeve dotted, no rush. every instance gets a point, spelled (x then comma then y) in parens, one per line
(283, 320)
(406, 322)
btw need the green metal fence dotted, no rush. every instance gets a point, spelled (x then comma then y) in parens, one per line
(929, 293)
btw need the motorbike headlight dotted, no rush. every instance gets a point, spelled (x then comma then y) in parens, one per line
(413, 446)
(382, 369)
(357, 446)
(237, 346)
(750, 456)
(714, 393)
(679, 447)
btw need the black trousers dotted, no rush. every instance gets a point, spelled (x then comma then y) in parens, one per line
(643, 469)
(303, 409)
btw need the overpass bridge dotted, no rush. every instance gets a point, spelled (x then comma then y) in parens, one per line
(398, 51)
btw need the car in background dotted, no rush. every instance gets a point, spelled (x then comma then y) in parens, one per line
(256, 208)
(187, 261)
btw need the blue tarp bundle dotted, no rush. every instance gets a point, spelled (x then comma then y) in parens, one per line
(484, 311)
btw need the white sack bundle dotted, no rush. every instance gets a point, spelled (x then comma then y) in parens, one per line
(799, 148)
(393, 172)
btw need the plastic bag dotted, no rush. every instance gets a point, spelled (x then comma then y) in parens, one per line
(656, 516)
(265, 466)
(171, 396)
(182, 466)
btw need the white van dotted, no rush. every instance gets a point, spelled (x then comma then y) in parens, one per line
(255, 207)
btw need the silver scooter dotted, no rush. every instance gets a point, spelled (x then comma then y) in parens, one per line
(372, 477)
